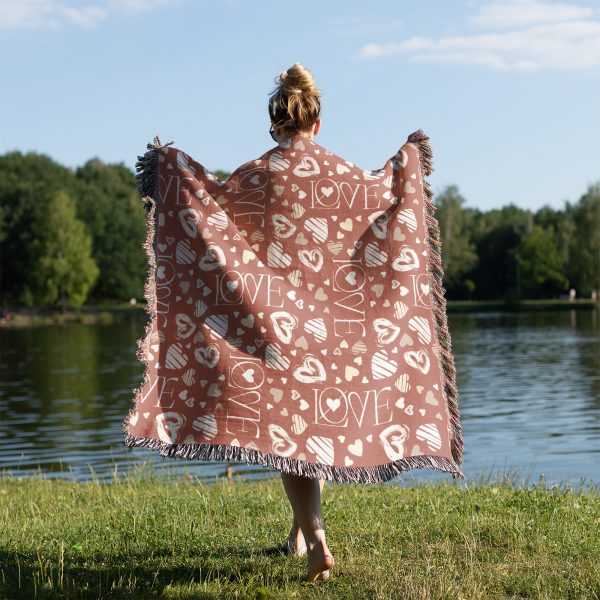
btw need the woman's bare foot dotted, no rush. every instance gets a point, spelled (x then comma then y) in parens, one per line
(320, 560)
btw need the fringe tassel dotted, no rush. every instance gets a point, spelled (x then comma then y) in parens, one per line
(223, 452)
(438, 298)
(147, 186)
(147, 182)
(147, 176)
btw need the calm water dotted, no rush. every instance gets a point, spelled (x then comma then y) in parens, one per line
(529, 388)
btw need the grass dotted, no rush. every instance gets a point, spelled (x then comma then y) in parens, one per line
(523, 306)
(92, 314)
(147, 536)
(108, 313)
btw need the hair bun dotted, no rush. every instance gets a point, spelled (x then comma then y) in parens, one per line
(295, 103)
(297, 80)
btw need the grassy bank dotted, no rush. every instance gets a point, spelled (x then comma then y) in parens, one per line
(146, 537)
(111, 313)
(523, 305)
(89, 314)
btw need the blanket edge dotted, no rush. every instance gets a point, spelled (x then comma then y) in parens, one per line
(434, 245)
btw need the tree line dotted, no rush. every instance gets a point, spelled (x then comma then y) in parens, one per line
(74, 236)
(514, 253)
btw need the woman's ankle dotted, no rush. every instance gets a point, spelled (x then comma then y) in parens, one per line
(316, 541)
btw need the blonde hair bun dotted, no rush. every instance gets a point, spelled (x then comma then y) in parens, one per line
(298, 79)
(295, 104)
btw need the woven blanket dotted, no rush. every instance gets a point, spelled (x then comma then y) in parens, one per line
(297, 317)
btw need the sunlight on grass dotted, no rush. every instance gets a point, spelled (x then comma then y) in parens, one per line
(145, 535)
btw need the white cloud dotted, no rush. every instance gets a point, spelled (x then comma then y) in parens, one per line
(553, 37)
(55, 14)
(138, 5)
(86, 16)
(519, 13)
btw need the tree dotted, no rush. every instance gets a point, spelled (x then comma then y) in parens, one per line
(540, 265)
(222, 175)
(458, 251)
(469, 286)
(562, 226)
(505, 252)
(65, 270)
(584, 252)
(114, 214)
(496, 233)
(25, 181)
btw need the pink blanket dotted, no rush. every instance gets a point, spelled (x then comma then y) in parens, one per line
(297, 315)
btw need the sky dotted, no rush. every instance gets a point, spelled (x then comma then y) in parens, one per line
(507, 90)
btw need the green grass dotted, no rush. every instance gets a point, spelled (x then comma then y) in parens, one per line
(524, 305)
(116, 312)
(89, 314)
(147, 536)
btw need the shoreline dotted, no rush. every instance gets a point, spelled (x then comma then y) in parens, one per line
(105, 314)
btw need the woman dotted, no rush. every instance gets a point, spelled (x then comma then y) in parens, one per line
(294, 108)
(256, 285)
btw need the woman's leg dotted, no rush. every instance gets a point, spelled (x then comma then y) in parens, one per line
(295, 536)
(304, 495)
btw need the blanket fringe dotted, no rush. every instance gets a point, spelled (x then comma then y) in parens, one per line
(147, 185)
(434, 244)
(147, 176)
(293, 466)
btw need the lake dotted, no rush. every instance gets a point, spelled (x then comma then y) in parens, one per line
(529, 396)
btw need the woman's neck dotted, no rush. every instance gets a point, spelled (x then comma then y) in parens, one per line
(306, 134)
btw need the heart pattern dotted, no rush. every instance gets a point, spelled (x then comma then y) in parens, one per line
(295, 313)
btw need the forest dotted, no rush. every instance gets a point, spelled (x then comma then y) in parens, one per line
(70, 237)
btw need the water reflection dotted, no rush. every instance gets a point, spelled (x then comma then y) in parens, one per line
(529, 397)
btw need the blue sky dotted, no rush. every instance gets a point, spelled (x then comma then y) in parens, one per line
(507, 90)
